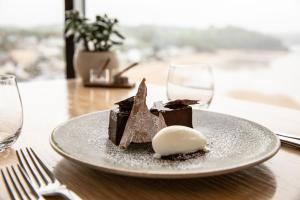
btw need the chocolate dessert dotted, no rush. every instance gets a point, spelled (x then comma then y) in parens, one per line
(132, 122)
(178, 112)
(118, 119)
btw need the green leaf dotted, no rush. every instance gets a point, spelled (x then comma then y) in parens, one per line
(119, 34)
(116, 42)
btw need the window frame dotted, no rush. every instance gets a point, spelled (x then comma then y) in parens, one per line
(69, 42)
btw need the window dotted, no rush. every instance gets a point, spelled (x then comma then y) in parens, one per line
(254, 46)
(31, 39)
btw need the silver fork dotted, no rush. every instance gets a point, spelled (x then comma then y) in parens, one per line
(41, 177)
(18, 184)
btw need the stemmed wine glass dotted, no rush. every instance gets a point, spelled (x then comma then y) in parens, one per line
(11, 111)
(193, 82)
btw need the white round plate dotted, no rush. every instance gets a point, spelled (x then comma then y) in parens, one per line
(234, 144)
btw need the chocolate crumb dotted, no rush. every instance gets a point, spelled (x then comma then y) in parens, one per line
(183, 156)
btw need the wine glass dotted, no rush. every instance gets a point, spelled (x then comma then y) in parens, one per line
(193, 82)
(11, 111)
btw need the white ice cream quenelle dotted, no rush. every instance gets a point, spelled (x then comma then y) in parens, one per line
(178, 139)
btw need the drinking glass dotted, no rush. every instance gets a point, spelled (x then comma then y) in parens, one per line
(194, 82)
(11, 112)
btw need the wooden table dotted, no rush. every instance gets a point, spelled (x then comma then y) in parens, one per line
(46, 104)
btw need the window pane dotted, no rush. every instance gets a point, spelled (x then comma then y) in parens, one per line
(31, 39)
(254, 46)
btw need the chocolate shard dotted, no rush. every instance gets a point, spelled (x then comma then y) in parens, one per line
(141, 125)
(126, 104)
(179, 103)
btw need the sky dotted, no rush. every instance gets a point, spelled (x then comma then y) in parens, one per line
(268, 16)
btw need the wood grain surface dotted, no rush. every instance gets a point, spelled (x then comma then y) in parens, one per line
(48, 103)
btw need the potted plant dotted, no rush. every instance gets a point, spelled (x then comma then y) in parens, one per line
(95, 39)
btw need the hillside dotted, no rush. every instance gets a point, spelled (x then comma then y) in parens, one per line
(209, 39)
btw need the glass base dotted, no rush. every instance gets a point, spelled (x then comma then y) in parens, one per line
(8, 142)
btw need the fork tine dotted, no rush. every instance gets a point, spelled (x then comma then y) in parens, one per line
(46, 169)
(37, 167)
(25, 177)
(20, 160)
(8, 186)
(14, 183)
(20, 183)
(20, 154)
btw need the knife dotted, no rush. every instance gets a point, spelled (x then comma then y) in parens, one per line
(289, 139)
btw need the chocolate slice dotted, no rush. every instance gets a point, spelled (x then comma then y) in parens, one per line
(176, 112)
(141, 125)
(118, 118)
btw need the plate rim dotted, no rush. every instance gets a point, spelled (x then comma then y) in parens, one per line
(164, 174)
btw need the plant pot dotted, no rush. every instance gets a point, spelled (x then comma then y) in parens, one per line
(84, 61)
